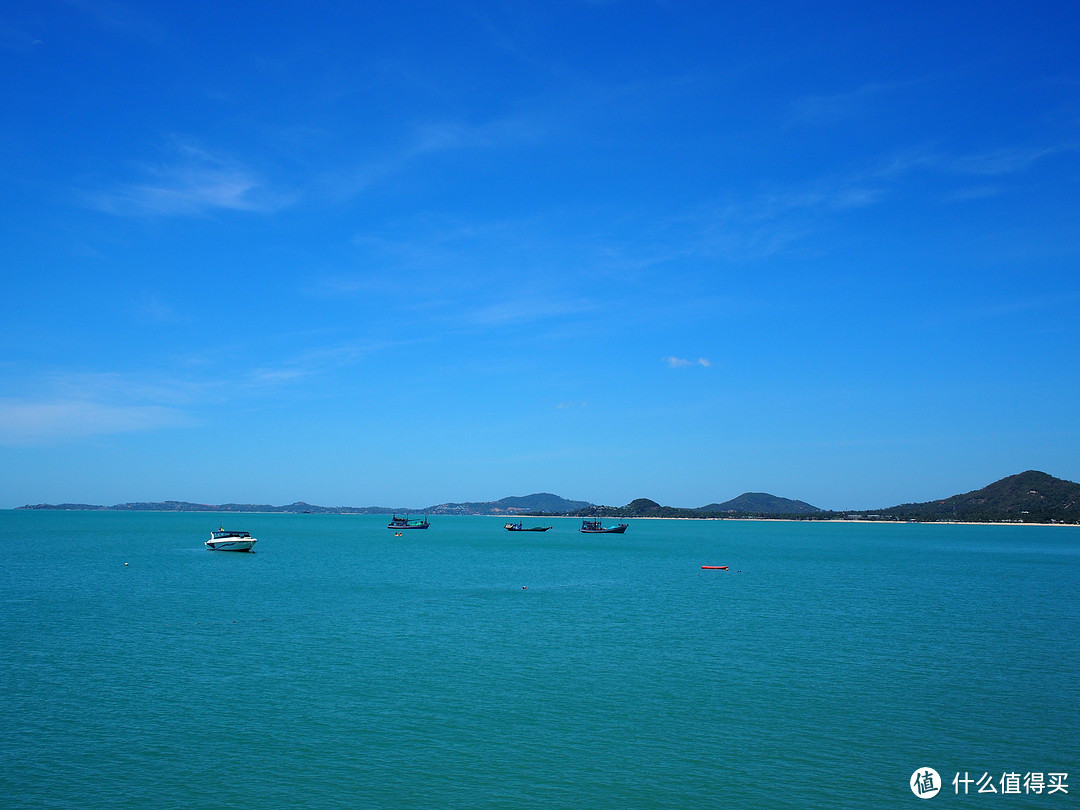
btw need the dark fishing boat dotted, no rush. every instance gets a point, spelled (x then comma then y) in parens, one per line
(517, 527)
(405, 523)
(597, 527)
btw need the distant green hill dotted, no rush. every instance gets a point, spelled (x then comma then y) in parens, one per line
(542, 502)
(1029, 497)
(761, 503)
(640, 507)
(750, 504)
(539, 503)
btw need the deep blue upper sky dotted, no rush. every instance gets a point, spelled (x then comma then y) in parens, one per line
(407, 253)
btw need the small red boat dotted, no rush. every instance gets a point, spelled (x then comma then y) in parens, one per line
(715, 567)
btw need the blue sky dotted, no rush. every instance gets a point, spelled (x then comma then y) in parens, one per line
(410, 253)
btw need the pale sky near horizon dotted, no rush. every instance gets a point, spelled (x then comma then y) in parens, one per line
(407, 253)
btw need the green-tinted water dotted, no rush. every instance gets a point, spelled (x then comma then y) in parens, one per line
(340, 666)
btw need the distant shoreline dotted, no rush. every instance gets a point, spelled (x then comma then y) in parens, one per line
(838, 520)
(504, 516)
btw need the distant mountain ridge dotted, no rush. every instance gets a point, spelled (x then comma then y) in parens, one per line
(749, 504)
(541, 502)
(1028, 497)
(186, 506)
(538, 503)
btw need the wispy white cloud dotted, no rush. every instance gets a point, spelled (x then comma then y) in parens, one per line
(832, 108)
(680, 362)
(997, 162)
(772, 221)
(25, 421)
(760, 225)
(1006, 160)
(194, 181)
(526, 309)
(430, 139)
(65, 406)
(453, 135)
(151, 307)
(977, 192)
(121, 389)
(319, 361)
(325, 358)
(1008, 311)
(127, 19)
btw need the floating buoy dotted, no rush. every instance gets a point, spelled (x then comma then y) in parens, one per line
(715, 567)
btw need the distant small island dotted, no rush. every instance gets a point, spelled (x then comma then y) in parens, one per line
(1029, 497)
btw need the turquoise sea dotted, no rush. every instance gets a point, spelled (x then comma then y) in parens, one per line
(466, 666)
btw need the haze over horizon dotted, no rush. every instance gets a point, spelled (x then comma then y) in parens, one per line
(415, 254)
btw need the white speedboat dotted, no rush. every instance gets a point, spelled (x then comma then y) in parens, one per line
(224, 540)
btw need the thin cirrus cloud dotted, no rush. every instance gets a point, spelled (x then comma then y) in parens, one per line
(429, 140)
(122, 18)
(680, 362)
(194, 182)
(1006, 160)
(834, 108)
(773, 221)
(997, 162)
(513, 312)
(82, 405)
(25, 422)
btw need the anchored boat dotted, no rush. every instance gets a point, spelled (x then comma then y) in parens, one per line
(405, 523)
(597, 527)
(517, 527)
(225, 540)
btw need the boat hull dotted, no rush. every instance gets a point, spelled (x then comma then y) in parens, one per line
(405, 523)
(231, 545)
(229, 540)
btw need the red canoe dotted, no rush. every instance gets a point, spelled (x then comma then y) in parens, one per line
(715, 567)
